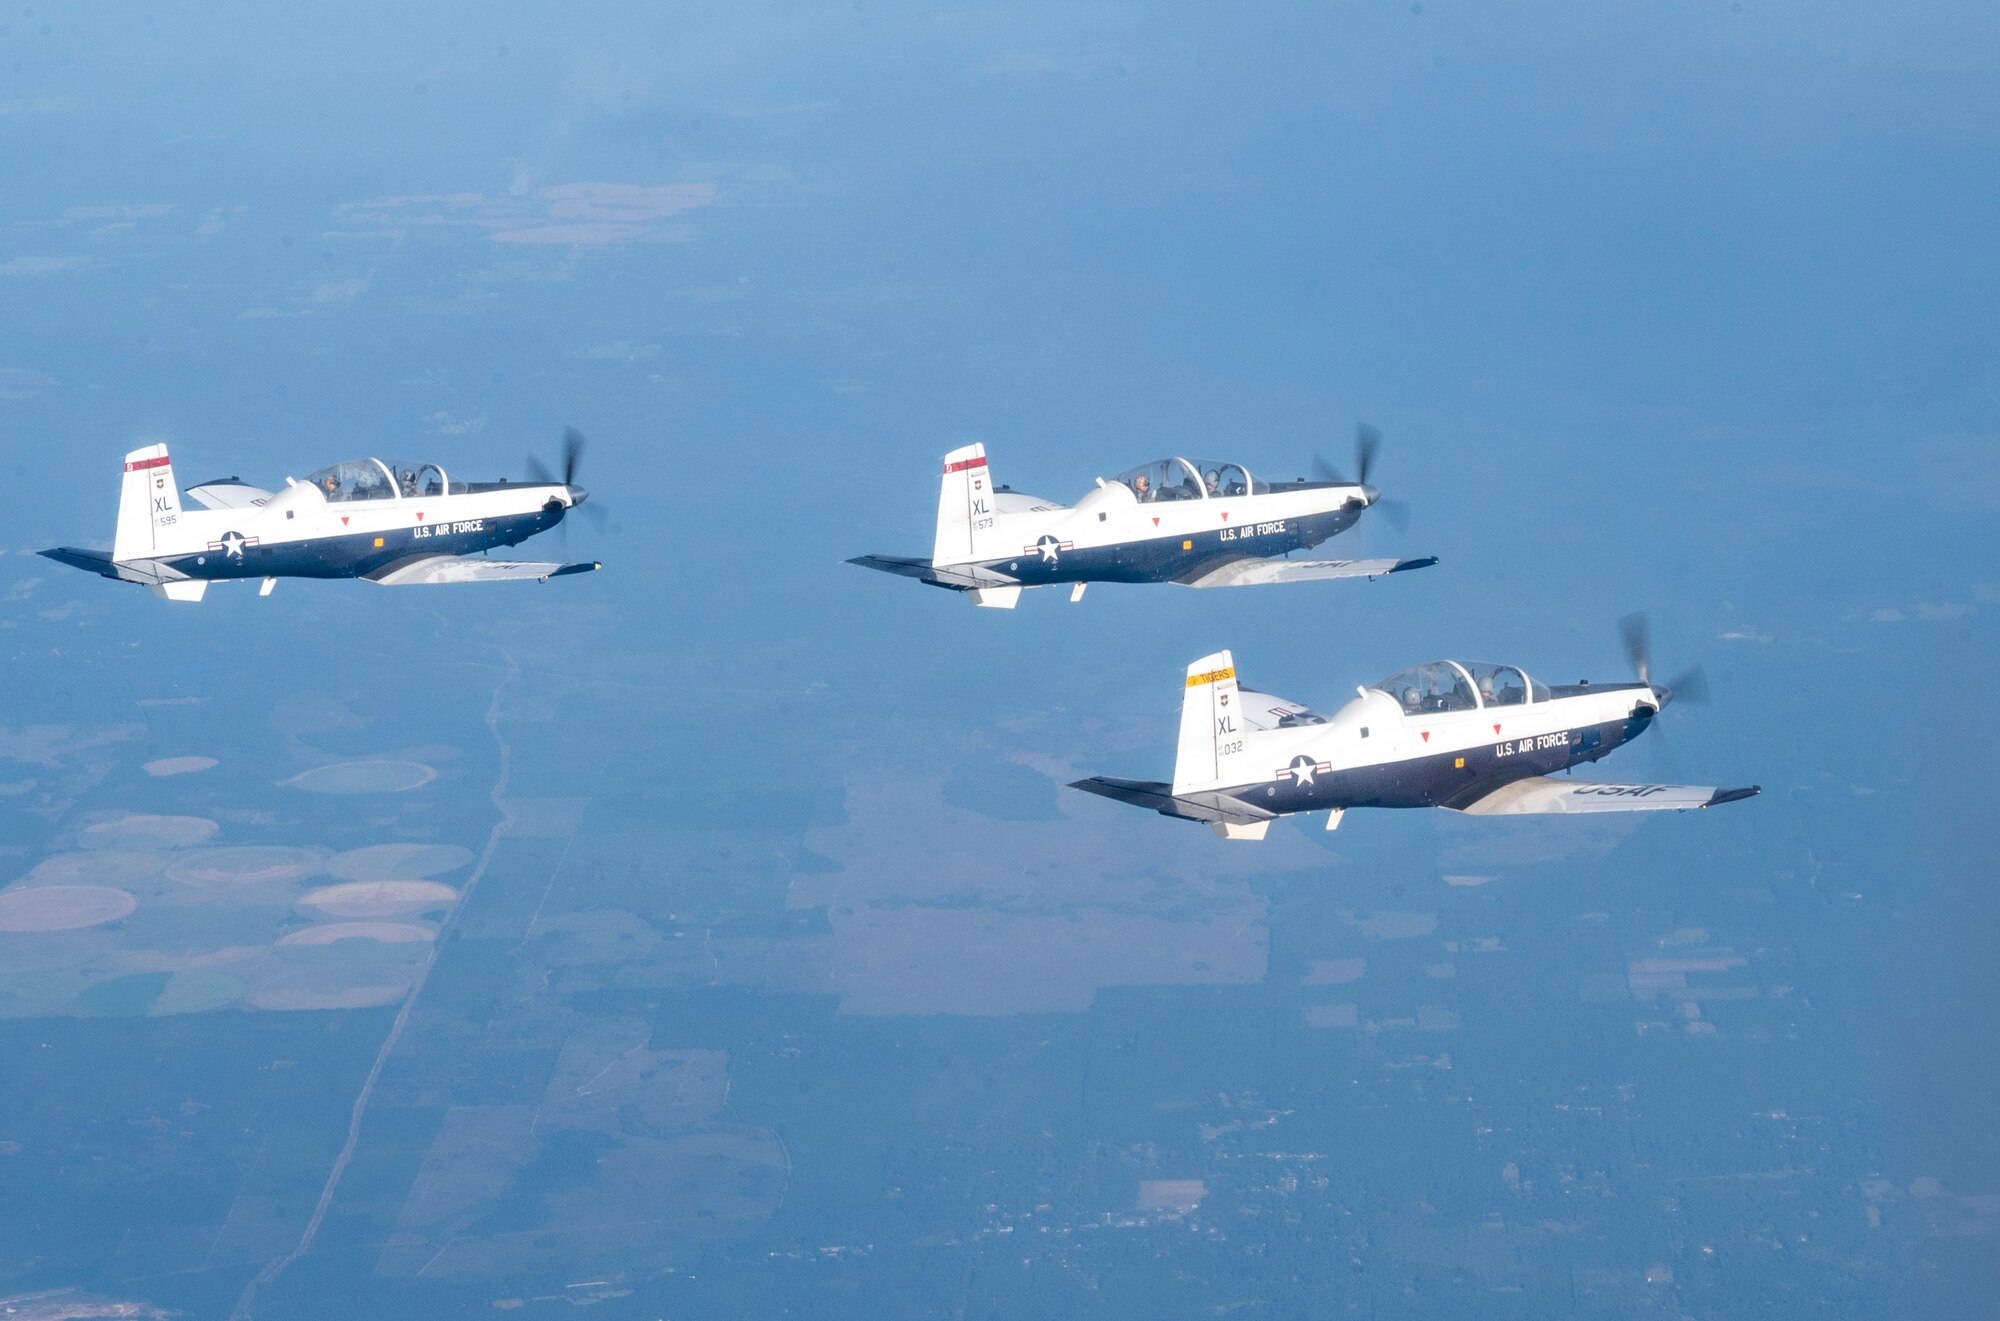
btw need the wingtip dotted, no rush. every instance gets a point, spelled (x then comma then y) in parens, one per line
(1734, 795)
(1423, 562)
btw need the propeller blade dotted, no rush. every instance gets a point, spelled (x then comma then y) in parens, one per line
(1325, 472)
(539, 473)
(1367, 440)
(1396, 511)
(1663, 751)
(1638, 646)
(572, 452)
(1690, 687)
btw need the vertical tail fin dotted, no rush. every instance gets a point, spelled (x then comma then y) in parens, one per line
(965, 507)
(1213, 733)
(149, 505)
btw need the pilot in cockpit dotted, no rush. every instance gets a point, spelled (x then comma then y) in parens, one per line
(1213, 480)
(330, 486)
(1486, 697)
(407, 479)
(1412, 700)
(1142, 487)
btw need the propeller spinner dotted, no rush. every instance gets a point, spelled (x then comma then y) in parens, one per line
(573, 495)
(1367, 443)
(1690, 685)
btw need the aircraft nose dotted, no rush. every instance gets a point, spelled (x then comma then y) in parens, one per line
(577, 495)
(1369, 495)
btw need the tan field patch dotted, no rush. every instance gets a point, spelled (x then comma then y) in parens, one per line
(62, 907)
(249, 864)
(393, 862)
(179, 765)
(1334, 972)
(310, 992)
(1039, 918)
(391, 933)
(95, 867)
(364, 777)
(380, 898)
(137, 830)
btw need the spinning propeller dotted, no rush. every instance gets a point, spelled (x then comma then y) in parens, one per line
(572, 453)
(1690, 685)
(1367, 441)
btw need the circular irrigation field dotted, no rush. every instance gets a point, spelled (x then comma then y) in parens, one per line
(62, 907)
(364, 777)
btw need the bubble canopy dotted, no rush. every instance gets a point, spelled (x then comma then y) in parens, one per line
(378, 479)
(1449, 685)
(1187, 479)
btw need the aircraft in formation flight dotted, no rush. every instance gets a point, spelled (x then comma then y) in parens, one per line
(1475, 738)
(391, 523)
(1196, 522)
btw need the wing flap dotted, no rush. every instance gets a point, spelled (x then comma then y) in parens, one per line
(429, 569)
(1250, 571)
(1544, 794)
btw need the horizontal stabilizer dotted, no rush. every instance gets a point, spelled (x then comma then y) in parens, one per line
(1161, 798)
(143, 572)
(1251, 571)
(958, 578)
(229, 493)
(428, 569)
(1264, 711)
(1541, 794)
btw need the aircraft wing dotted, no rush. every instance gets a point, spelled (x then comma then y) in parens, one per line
(1548, 794)
(229, 493)
(959, 577)
(469, 569)
(1251, 571)
(1162, 799)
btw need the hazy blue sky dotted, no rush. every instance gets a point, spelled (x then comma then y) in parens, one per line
(1682, 307)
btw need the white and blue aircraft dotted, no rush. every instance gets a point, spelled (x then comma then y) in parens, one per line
(390, 523)
(1196, 522)
(1482, 739)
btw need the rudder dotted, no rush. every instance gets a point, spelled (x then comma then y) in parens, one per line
(149, 505)
(966, 514)
(1211, 753)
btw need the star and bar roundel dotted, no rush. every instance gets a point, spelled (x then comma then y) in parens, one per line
(232, 544)
(1048, 548)
(1302, 770)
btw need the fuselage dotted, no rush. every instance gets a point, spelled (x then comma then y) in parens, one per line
(1111, 535)
(298, 533)
(1375, 753)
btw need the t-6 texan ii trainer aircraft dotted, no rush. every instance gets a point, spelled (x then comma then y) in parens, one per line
(1480, 739)
(391, 523)
(1196, 522)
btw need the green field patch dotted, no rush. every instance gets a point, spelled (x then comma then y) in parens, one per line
(197, 991)
(123, 997)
